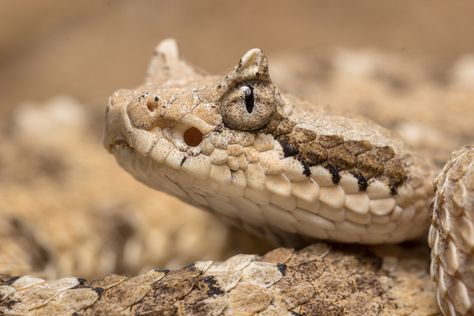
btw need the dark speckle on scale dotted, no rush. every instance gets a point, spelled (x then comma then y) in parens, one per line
(334, 174)
(361, 181)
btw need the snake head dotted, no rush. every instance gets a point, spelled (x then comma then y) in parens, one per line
(193, 111)
(182, 120)
(236, 146)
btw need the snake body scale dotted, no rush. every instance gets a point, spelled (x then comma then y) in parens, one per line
(283, 169)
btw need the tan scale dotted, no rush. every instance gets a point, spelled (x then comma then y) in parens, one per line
(452, 235)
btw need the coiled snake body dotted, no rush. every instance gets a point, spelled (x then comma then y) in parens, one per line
(284, 169)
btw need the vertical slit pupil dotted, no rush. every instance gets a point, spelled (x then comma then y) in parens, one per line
(249, 99)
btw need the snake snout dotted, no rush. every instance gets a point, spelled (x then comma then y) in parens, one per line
(144, 111)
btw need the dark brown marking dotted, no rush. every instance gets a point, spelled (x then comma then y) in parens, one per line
(358, 147)
(364, 160)
(99, 291)
(361, 181)
(272, 125)
(384, 153)
(282, 268)
(313, 153)
(288, 148)
(341, 158)
(213, 286)
(301, 136)
(396, 174)
(330, 141)
(368, 165)
(336, 177)
(394, 188)
(284, 127)
(306, 170)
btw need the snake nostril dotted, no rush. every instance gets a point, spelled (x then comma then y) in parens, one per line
(192, 136)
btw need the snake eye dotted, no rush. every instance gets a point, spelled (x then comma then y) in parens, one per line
(249, 98)
(248, 106)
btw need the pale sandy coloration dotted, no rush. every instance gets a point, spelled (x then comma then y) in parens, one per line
(452, 235)
(244, 178)
(239, 171)
(318, 279)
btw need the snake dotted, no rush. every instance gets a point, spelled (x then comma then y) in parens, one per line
(281, 168)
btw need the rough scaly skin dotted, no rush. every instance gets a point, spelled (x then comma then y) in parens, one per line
(266, 161)
(452, 235)
(146, 292)
(323, 279)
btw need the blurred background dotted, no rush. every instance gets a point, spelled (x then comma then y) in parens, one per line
(66, 208)
(89, 48)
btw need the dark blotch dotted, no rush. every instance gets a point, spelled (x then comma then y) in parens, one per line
(288, 148)
(330, 141)
(313, 153)
(213, 286)
(99, 291)
(284, 127)
(361, 181)
(282, 268)
(384, 153)
(394, 188)
(357, 147)
(306, 170)
(369, 166)
(301, 135)
(334, 174)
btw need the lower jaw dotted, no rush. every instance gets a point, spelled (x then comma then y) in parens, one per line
(203, 193)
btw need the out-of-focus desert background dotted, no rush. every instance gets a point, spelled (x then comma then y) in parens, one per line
(89, 48)
(67, 208)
